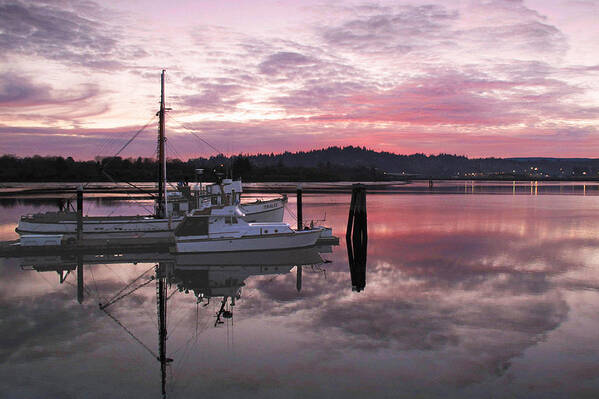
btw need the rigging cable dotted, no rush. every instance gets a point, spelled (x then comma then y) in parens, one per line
(192, 131)
(118, 152)
(105, 173)
(129, 141)
(130, 333)
(118, 295)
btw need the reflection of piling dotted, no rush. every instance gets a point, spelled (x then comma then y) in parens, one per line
(356, 237)
(298, 280)
(430, 184)
(79, 212)
(80, 278)
(300, 224)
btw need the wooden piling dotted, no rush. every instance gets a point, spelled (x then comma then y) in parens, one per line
(300, 223)
(79, 213)
(356, 237)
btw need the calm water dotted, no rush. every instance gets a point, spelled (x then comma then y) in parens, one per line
(469, 296)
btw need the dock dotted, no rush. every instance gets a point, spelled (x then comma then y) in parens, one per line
(13, 249)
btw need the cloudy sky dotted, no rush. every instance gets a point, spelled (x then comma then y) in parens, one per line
(480, 78)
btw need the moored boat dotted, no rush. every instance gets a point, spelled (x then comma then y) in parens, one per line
(171, 208)
(224, 230)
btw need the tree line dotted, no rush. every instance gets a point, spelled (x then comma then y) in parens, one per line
(327, 164)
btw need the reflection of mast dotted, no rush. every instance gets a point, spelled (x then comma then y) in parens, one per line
(161, 296)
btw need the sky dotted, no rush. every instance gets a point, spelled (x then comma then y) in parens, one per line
(504, 78)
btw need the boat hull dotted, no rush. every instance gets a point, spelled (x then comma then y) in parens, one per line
(264, 211)
(199, 244)
(134, 227)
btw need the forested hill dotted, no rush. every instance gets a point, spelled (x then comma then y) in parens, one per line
(425, 166)
(328, 164)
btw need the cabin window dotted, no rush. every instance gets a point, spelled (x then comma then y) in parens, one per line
(213, 200)
(230, 219)
(192, 226)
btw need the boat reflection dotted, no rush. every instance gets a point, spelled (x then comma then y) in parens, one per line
(209, 277)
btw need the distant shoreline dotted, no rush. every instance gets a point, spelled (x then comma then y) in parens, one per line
(107, 190)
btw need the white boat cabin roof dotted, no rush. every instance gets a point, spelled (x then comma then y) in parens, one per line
(219, 211)
(227, 186)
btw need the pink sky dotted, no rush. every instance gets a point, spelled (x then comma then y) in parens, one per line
(478, 78)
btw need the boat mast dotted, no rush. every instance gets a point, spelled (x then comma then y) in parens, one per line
(161, 208)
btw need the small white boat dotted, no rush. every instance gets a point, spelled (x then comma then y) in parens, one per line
(222, 229)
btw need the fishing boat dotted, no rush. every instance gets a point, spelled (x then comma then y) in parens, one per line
(222, 229)
(225, 192)
(170, 207)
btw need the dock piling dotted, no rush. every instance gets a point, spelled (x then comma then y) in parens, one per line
(356, 237)
(79, 213)
(300, 223)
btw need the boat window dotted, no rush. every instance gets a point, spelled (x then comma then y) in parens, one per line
(192, 226)
(213, 200)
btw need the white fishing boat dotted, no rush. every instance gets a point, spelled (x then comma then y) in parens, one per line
(226, 192)
(170, 209)
(222, 229)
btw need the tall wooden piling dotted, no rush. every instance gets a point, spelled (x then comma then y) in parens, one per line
(300, 222)
(356, 237)
(79, 213)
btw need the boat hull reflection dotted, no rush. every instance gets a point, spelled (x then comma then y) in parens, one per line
(281, 257)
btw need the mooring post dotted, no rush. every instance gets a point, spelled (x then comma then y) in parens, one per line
(350, 218)
(300, 223)
(356, 237)
(79, 212)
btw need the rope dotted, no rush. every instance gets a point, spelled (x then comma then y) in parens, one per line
(138, 201)
(192, 131)
(118, 296)
(130, 333)
(118, 152)
(104, 306)
(129, 141)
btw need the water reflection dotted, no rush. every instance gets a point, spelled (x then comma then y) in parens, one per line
(466, 295)
(209, 277)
